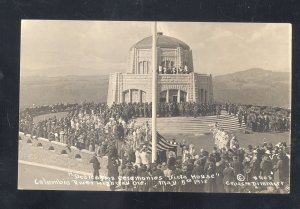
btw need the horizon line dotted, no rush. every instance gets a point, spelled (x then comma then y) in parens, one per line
(91, 75)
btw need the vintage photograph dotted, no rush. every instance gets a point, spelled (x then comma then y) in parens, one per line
(144, 106)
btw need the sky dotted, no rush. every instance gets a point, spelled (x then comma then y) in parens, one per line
(61, 48)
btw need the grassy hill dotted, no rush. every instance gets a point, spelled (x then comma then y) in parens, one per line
(253, 86)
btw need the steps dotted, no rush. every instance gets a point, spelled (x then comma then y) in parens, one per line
(190, 125)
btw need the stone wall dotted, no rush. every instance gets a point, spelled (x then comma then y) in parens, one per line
(203, 81)
(112, 88)
(83, 156)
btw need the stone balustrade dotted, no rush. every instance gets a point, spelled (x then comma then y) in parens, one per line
(83, 156)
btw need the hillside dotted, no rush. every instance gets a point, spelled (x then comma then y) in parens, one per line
(48, 90)
(253, 86)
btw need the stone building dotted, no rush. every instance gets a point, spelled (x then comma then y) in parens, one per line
(176, 79)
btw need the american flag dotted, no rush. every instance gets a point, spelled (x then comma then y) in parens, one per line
(163, 144)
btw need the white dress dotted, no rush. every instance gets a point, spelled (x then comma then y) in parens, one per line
(185, 152)
(138, 159)
(144, 157)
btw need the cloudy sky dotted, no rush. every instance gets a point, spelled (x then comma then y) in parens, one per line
(59, 48)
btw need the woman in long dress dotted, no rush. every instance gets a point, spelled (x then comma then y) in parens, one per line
(185, 153)
(192, 151)
(138, 159)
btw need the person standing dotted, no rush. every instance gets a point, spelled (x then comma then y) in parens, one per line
(138, 159)
(210, 186)
(282, 168)
(168, 173)
(240, 118)
(195, 110)
(158, 174)
(112, 151)
(171, 157)
(144, 155)
(228, 174)
(266, 165)
(128, 172)
(96, 167)
(145, 186)
(147, 131)
(237, 166)
(198, 170)
(255, 164)
(183, 146)
(220, 166)
(113, 173)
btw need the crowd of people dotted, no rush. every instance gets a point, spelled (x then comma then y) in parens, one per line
(264, 168)
(87, 126)
(112, 131)
(173, 70)
(85, 123)
(261, 118)
(255, 118)
(36, 110)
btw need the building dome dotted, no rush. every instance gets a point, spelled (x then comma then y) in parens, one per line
(162, 42)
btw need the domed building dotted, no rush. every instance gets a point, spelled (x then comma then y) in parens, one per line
(176, 80)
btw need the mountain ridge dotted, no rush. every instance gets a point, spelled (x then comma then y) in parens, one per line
(252, 86)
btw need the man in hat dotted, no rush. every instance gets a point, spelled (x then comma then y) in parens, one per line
(282, 167)
(171, 157)
(112, 150)
(236, 165)
(198, 170)
(210, 186)
(146, 184)
(96, 166)
(158, 174)
(247, 167)
(255, 164)
(177, 172)
(128, 172)
(113, 172)
(183, 146)
(229, 177)
(163, 166)
(266, 165)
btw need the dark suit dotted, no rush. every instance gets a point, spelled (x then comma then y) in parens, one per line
(96, 166)
(198, 171)
(228, 174)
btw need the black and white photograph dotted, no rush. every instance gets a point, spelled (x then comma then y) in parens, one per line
(152, 106)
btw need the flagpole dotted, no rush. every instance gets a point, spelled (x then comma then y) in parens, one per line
(154, 92)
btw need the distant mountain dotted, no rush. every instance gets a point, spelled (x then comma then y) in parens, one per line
(253, 86)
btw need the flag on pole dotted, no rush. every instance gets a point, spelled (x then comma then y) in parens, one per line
(163, 144)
